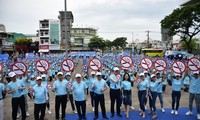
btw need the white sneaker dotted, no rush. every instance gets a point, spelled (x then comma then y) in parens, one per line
(75, 112)
(145, 107)
(172, 112)
(132, 107)
(49, 111)
(18, 115)
(27, 114)
(198, 116)
(176, 112)
(163, 110)
(93, 109)
(188, 113)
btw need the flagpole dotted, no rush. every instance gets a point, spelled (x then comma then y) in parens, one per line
(66, 39)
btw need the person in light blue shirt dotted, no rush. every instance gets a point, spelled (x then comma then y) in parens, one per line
(126, 93)
(16, 89)
(143, 88)
(99, 86)
(41, 98)
(91, 79)
(2, 89)
(60, 88)
(103, 72)
(79, 88)
(32, 83)
(177, 83)
(194, 92)
(186, 83)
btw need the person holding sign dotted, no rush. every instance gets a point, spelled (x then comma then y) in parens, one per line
(91, 79)
(177, 83)
(115, 92)
(41, 98)
(2, 90)
(99, 86)
(79, 87)
(126, 93)
(194, 92)
(143, 89)
(16, 89)
(60, 88)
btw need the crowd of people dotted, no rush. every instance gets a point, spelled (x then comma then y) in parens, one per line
(119, 81)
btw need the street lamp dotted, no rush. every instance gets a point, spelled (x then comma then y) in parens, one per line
(66, 39)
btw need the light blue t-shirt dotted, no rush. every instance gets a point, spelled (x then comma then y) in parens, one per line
(153, 86)
(40, 93)
(70, 82)
(79, 91)
(60, 87)
(25, 91)
(194, 85)
(126, 85)
(32, 83)
(186, 80)
(177, 84)
(2, 87)
(91, 80)
(114, 85)
(159, 86)
(99, 85)
(143, 85)
(16, 85)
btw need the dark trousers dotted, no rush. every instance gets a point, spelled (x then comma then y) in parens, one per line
(81, 105)
(60, 100)
(115, 96)
(176, 95)
(152, 101)
(18, 102)
(142, 98)
(163, 88)
(92, 98)
(99, 99)
(71, 101)
(48, 104)
(39, 108)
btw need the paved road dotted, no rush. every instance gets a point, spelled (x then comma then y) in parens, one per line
(167, 102)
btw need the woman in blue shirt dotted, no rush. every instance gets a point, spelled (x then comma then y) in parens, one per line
(126, 93)
(143, 88)
(176, 93)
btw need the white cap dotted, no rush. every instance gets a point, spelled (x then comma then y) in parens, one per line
(12, 74)
(39, 78)
(196, 72)
(92, 73)
(60, 73)
(152, 75)
(68, 73)
(43, 75)
(98, 74)
(32, 76)
(116, 68)
(145, 71)
(154, 70)
(141, 74)
(78, 75)
(177, 74)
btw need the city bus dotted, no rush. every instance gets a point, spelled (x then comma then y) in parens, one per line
(153, 52)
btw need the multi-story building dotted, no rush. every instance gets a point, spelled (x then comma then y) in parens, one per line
(80, 37)
(2, 28)
(49, 35)
(70, 20)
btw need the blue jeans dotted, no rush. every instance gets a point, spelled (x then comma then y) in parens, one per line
(197, 100)
(191, 99)
(152, 101)
(176, 96)
(92, 98)
(160, 96)
(141, 98)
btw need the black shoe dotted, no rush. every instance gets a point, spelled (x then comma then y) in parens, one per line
(105, 117)
(119, 115)
(112, 115)
(84, 118)
(95, 118)
(79, 118)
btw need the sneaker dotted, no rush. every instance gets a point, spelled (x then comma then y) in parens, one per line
(27, 114)
(145, 107)
(154, 117)
(18, 115)
(49, 111)
(93, 109)
(176, 112)
(172, 112)
(75, 112)
(188, 113)
(163, 110)
(144, 115)
(198, 116)
(132, 107)
(150, 112)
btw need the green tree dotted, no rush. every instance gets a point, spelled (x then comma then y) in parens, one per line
(120, 42)
(97, 42)
(22, 44)
(108, 44)
(184, 22)
(192, 44)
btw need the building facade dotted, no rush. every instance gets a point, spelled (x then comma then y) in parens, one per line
(2, 28)
(80, 37)
(49, 35)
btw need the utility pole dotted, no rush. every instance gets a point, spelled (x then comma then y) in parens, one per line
(66, 39)
(148, 38)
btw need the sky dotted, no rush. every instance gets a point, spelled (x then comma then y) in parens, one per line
(111, 18)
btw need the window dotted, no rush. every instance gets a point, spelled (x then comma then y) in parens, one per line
(46, 41)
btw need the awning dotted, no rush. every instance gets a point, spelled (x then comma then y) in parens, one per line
(43, 50)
